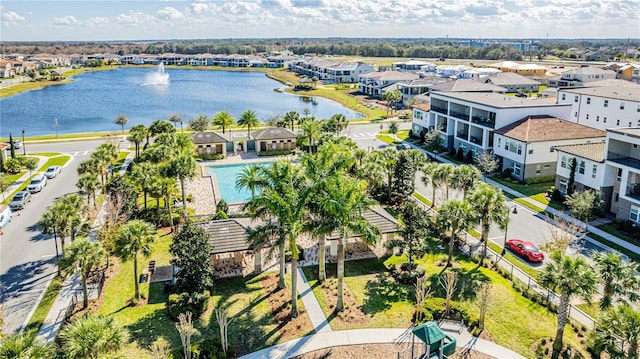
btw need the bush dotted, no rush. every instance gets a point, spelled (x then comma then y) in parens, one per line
(460, 154)
(507, 173)
(408, 273)
(275, 153)
(222, 206)
(212, 156)
(212, 349)
(556, 196)
(13, 165)
(184, 302)
(542, 179)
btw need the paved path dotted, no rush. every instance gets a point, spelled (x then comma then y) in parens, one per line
(311, 304)
(25, 177)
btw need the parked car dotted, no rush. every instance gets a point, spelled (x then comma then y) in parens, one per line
(17, 144)
(526, 250)
(19, 200)
(37, 183)
(52, 172)
(403, 146)
(5, 215)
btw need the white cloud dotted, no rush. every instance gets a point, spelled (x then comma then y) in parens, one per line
(134, 18)
(65, 21)
(170, 13)
(12, 17)
(98, 21)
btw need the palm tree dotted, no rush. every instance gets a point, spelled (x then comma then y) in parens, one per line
(286, 206)
(250, 178)
(393, 129)
(135, 237)
(141, 175)
(183, 143)
(464, 178)
(339, 122)
(223, 119)
(62, 218)
(569, 276)
(618, 278)
(121, 120)
(454, 216)
(199, 123)
(160, 126)
(311, 130)
(23, 345)
(249, 120)
(89, 183)
(104, 155)
(345, 203)
(441, 176)
(137, 134)
(292, 117)
(183, 167)
(81, 257)
(617, 332)
(76, 205)
(175, 118)
(92, 336)
(428, 169)
(167, 187)
(491, 208)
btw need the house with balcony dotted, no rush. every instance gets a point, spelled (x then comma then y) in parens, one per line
(581, 76)
(419, 86)
(611, 167)
(527, 146)
(413, 66)
(603, 107)
(373, 83)
(468, 120)
(330, 70)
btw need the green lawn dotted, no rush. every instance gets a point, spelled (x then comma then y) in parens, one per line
(536, 191)
(42, 310)
(612, 228)
(55, 161)
(513, 320)
(45, 154)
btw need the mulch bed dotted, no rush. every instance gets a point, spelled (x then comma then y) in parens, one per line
(377, 351)
(280, 304)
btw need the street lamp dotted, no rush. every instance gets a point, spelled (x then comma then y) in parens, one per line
(506, 227)
(24, 148)
(55, 240)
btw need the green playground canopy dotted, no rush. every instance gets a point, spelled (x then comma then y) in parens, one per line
(429, 333)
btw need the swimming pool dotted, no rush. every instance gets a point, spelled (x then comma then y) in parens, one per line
(225, 178)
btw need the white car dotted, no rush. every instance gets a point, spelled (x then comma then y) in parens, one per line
(52, 172)
(37, 183)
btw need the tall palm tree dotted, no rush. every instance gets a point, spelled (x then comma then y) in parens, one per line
(167, 187)
(250, 120)
(175, 118)
(569, 276)
(454, 216)
(442, 176)
(137, 134)
(490, 207)
(617, 331)
(346, 202)
(184, 143)
(135, 237)
(23, 345)
(618, 278)
(141, 175)
(291, 118)
(121, 121)
(250, 178)
(428, 169)
(76, 206)
(90, 184)
(183, 167)
(160, 126)
(339, 122)
(223, 119)
(464, 178)
(91, 336)
(311, 131)
(82, 257)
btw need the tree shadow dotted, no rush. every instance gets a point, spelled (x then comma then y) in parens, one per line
(383, 291)
(466, 287)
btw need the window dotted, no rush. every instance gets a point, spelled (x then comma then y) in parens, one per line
(634, 214)
(575, 115)
(575, 99)
(530, 152)
(594, 171)
(606, 103)
(617, 122)
(563, 161)
(546, 167)
(622, 105)
(517, 169)
(564, 97)
(638, 110)
(538, 169)
(605, 120)
(562, 186)
(597, 118)
(519, 148)
(587, 116)
(581, 167)
(551, 149)
(588, 100)
(619, 175)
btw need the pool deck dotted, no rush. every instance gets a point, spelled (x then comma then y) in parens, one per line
(205, 190)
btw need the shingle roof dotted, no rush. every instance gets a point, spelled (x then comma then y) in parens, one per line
(499, 100)
(545, 128)
(590, 151)
(467, 86)
(612, 83)
(379, 218)
(629, 131)
(208, 137)
(228, 235)
(391, 75)
(620, 93)
(509, 78)
(422, 106)
(273, 133)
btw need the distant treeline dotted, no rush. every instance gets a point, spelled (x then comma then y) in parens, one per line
(409, 48)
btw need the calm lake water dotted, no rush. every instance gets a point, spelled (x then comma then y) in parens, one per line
(95, 99)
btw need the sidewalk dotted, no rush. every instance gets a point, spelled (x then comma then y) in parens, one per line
(72, 285)
(25, 177)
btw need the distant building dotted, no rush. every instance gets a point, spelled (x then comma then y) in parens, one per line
(581, 76)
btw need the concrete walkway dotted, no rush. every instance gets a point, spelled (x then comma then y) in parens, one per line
(319, 321)
(373, 336)
(25, 177)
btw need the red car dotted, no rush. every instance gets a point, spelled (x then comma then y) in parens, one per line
(526, 250)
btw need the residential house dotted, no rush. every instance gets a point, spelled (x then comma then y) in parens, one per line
(603, 107)
(413, 66)
(527, 146)
(6, 68)
(419, 86)
(625, 70)
(512, 82)
(274, 139)
(209, 143)
(372, 83)
(468, 120)
(521, 69)
(420, 117)
(581, 76)
(330, 70)
(590, 168)
(466, 86)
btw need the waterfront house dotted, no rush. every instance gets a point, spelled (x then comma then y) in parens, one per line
(274, 139)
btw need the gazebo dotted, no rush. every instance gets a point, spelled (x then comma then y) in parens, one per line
(438, 344)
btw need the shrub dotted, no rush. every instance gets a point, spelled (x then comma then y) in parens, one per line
(222, 206)
(212, 156)
(507, 173)
(13, 165)
(275, 153)
(556, 196)
(469, 157)
(460, 154)
(407, 273)
(542, 179)
(212, 349)
(184, 302)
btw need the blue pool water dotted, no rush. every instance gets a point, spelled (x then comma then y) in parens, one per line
(225, 178)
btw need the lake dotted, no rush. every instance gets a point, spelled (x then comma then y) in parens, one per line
(95, 99)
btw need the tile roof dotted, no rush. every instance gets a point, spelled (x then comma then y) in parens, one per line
(208, 137)
(379, 218)
(273, 133)
(590, 151)
(546, 128)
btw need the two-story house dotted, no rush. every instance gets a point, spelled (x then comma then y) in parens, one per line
(581, 76)
(373, 83)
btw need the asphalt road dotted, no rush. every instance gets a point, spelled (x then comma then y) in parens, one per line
(27, 257)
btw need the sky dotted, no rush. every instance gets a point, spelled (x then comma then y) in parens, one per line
(102, 20)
